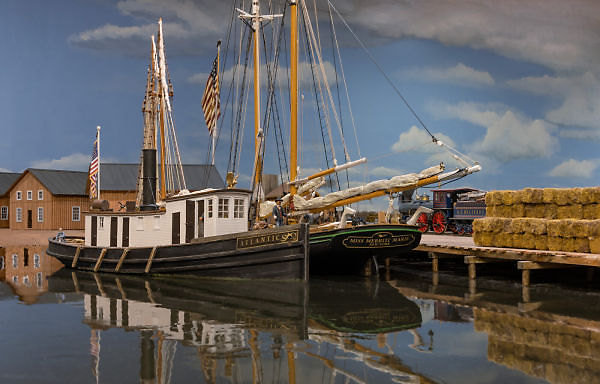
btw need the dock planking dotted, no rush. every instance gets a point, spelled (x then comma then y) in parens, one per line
(527, 259)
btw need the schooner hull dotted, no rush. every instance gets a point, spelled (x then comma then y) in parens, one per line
(280, 253)
(348, 250)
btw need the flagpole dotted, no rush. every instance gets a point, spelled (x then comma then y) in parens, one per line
(98, 139)
(214, 133)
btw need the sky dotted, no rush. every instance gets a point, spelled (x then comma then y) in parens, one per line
(512, 84)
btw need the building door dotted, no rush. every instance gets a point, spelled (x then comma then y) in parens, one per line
(175, 238)
(125, 238)
(201, 218)
(190, 214)
(29, 218)
(94, 239)
(113, 231)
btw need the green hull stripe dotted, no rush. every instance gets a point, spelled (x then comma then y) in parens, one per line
(317, 238)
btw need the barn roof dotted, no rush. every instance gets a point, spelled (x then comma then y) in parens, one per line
(7, 179)
(61, 182)
(123, 177)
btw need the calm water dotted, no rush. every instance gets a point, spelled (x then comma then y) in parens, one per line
(58, 326)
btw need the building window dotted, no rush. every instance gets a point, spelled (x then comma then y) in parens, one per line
(101, 222)
(26, 281)
(40, 214)
(19, 195)
(19, 215)
(209, 206)
(38, 279)
(75, 213)
(40, 195)
(16, 279)
(15, 260)
(4, 213)
(223, 208)
(140, 223)
(238, 208)
(29, 195)
(36, 260)
(1, 263)
(156, 223)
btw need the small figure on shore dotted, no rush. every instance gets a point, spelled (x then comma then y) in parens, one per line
(278, 213)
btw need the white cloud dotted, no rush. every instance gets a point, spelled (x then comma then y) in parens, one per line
(385, 172)
(416, 139)
(509, 136)
(5, 170)
(558, 34)
(575, 169)
(459, 74)
(580, 94)
(74, 162)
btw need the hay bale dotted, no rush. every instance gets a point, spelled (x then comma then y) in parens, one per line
(548, 195)
(477, 236)
(516, 240)
(518, 225)
(508, 197)
(490, 211)
(486, 239)
(535, 226)
(541, 242)
(594, 228)
(529, 210)
(517, 210)
(563, 196)
(479, 225)
(590, 195)
(550, 211)
(579, 228)
(568, 244)
(594, 243)
(528, 241)
(539, 210)
(532, 196)
(493, 198)
(555, 243)
(507, 226)
(553, 228)
(581, 245)
(591, 211)
(573, 211)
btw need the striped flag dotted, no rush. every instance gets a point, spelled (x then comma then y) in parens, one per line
(211, 104)
(94, 168)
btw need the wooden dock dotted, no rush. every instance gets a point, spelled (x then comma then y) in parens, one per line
(441, 246)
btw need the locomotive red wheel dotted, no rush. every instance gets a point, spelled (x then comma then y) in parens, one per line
(460, 230)
(438, 221)
(423, 222)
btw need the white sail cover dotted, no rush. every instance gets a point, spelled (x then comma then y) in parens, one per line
(266, 207)
(403, 181)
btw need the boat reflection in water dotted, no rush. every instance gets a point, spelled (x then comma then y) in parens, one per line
(267, 331)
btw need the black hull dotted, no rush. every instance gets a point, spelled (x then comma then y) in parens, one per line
(349, 250)
(280, 253)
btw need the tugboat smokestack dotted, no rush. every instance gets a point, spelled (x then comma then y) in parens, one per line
(148, 180)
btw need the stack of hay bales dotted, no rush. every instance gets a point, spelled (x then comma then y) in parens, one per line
(545, 219)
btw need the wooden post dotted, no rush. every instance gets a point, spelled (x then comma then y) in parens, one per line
(435, 262)
(472, 271)
(99, 261)
(76, 257)
(525, 277)
(435, 278)
(118, 267)
(149, 264)
(368, 268)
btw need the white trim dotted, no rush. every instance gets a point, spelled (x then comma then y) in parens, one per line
(15, 260)
(19, 195)
(73, 213)
(36, 260)
(19, 215)
(4, 212)
(223, 208)
(29, 195)
(38, 280)
(40, 218)
(40, 193)
(238, 208)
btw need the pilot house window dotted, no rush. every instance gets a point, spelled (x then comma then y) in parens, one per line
(238, 208)
(223, 208)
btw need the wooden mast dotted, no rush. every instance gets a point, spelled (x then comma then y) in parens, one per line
(293, 96)
(161, 100)
(257, 130)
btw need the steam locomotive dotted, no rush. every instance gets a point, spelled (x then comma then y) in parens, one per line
(453, 209)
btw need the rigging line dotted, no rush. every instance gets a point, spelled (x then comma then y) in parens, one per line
(318, 104)
(334, 35)
(321, 65)
(240, 118)
(433, 138)
(237, 98)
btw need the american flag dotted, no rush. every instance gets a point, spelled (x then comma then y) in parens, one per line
(211, 104)
(94, 169)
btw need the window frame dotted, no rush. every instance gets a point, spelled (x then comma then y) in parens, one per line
(40, 218)
(19, 195)
(4, 212)
(15, 260)
(238, 208)
(73, 213)
(36, 260)
(40, 194)
(19, 215)
(209, 208)
(223, 208)
(29, 195)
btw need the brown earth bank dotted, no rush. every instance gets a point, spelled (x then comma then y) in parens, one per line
(11, 237)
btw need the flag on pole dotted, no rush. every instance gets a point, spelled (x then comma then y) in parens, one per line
(211, 104)
(94, 168)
